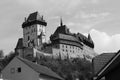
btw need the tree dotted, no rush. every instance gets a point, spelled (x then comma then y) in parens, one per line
(1, 54)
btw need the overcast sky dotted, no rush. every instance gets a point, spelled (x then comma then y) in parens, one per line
(100, 18)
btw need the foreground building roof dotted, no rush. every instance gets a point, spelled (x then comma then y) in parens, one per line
(109, 65)
(101, 60)
(40, 69)
(43, 70)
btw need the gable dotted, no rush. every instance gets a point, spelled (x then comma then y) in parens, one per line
(12, 72)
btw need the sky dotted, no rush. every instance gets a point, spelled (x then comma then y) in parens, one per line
(100, 18)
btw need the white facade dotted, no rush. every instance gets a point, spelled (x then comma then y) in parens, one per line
(69, 51)
(66, 51)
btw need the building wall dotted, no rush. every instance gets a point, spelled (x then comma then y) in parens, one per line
(28, 51)
(41, 28)
(20, 52)
(71, 51)
(67, 51)
(31, 33)
(10, 72)
(88, 52)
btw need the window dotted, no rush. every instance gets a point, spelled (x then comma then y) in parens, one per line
(73, 47)
(63, 46)
(12, 70)
(19, 69)
(66, 50)
(28, 38)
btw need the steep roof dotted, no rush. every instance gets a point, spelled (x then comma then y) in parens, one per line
(62, 32)
(66, 39)
(19, 44)
(112, 64)
(101, 60)
(87, 41)
(34, 18)
(40, 69)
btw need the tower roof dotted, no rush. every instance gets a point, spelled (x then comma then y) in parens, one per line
(89, 37)
(34, 18)
(19, 43)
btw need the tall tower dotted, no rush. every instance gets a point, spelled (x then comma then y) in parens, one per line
(34, 33)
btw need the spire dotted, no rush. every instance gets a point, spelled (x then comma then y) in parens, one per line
(91, 41)
(89, 37)
(61, 23)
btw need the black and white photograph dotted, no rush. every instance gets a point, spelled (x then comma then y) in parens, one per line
(59, 40)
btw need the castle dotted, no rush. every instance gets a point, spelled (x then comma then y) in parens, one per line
(63, 44)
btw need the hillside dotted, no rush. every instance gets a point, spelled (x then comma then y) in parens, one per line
(69, 69)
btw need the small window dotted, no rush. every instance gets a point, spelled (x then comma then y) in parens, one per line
(66, 50)
(63, 46)
(12, 70)
(28, 38)
(19, 69)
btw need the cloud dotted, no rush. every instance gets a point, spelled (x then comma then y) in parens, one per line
(79, 25)
(94, 15)
(104, 42)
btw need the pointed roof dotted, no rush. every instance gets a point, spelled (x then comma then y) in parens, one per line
(89, 37)
(61, 22)
(40, 69)
(19, 44)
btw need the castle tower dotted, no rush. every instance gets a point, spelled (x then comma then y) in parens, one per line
(34, 33)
